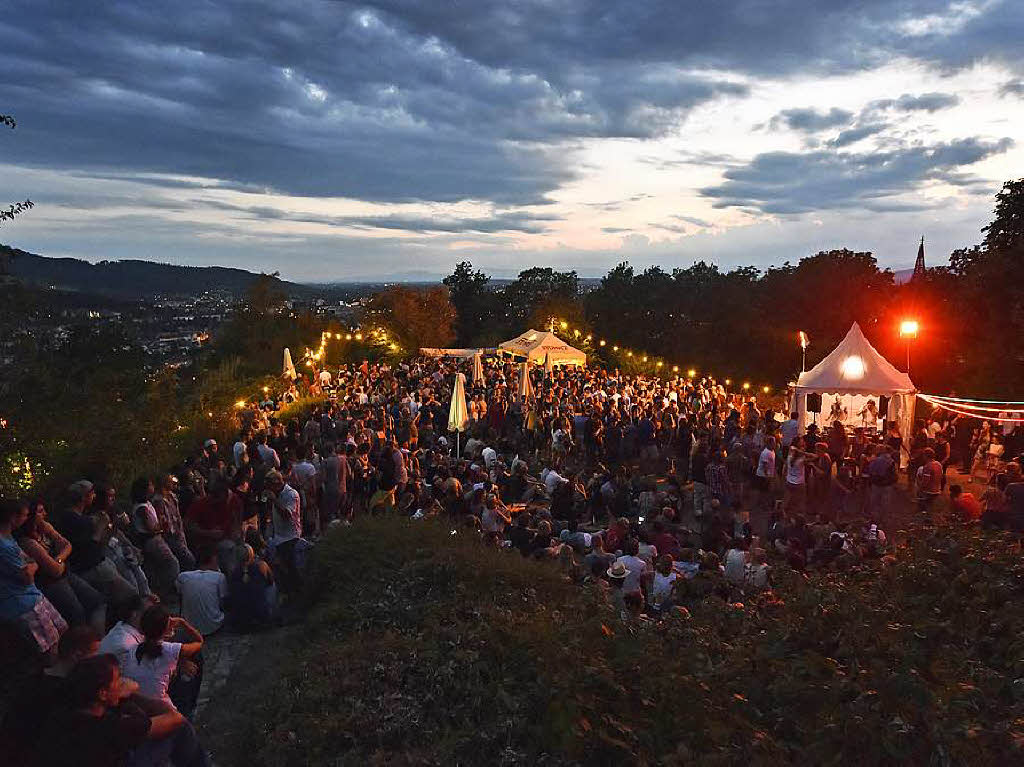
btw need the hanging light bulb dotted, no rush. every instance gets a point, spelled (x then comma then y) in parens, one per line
(601, 342)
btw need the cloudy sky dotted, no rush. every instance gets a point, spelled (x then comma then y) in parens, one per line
(335, 140)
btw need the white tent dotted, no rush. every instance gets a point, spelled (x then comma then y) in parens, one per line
(853, 374)
(534, 345)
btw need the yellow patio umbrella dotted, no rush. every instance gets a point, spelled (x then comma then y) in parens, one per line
(458, 413)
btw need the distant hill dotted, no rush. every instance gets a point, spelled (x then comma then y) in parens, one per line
(130, 279)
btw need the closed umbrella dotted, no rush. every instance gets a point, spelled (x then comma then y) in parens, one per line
(458, 413)
(548, 365)
(525, 384)
(478, 369)
(289, 367)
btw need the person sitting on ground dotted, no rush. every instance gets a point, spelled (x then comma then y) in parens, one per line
(874, 541)
(204, 593)
(155, 660)
(22, 604)
(965, 505)
(88, 555)
(639, 570)
(252, 592)
(664, 583)
(736, 562)
(43, 692)
(100, 727)
(75, 600)
(993, 500)
(757, 573)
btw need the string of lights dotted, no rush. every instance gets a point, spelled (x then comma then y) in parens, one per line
(639, 357)
(1003, 407)
(973, 413)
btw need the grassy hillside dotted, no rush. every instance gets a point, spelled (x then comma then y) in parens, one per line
(424, 648)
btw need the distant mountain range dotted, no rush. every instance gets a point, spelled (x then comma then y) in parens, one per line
(132, 279)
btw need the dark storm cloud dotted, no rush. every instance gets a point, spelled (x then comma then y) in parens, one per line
(403, 100)
(787, 183)
(810, 120)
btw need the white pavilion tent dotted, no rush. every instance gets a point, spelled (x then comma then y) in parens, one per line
(536, 345)
(853, 374)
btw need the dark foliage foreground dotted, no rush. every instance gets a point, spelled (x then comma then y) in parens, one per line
(425, 648)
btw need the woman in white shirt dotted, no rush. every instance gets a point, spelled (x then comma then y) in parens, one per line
(155, 660)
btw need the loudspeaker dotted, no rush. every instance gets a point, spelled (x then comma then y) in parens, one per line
(813, 403)
(883, 406)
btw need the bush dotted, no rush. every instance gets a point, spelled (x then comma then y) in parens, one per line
(427, 648)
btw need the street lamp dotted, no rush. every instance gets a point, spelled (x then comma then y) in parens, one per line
(908, 330)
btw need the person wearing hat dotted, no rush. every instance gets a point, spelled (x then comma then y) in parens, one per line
(617, 575)
(88, 556)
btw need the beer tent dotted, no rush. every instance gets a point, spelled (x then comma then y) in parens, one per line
(535, 345)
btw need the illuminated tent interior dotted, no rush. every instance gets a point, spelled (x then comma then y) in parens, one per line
(853, 374)
(535, 345)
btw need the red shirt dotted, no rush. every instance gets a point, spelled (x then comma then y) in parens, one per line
(968, 506)
(210, 513)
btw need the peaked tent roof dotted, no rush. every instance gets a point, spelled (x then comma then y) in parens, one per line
(536, 344)
(855, 367)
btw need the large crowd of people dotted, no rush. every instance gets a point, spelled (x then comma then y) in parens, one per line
(666, 492)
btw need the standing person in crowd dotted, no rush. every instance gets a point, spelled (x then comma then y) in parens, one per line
(168, 511)
(929, 481)
(216, 518)
(286, 528)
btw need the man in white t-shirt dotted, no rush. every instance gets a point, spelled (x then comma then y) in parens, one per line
(635, 565)
(764, 474)
(490, 455)
(203, 593)
(325, 378)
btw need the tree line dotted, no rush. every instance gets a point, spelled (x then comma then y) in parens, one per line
(743, 323)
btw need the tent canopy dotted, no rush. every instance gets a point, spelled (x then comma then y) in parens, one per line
(855, 367)
(535, 345)
(851, 375)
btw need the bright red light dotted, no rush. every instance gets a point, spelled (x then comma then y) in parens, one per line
(909, 328)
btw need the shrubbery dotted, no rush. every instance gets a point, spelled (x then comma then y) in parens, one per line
(425, 648)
